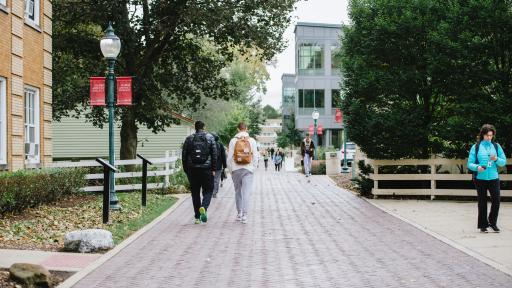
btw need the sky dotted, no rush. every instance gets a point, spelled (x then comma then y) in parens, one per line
(320, 11)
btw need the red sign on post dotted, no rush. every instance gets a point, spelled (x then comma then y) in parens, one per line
(97, 91)
(320, 130)
(311, 129)
(339, 115)
(124, 90)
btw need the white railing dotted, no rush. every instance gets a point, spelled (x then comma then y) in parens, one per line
(433, 177)
(166, 166)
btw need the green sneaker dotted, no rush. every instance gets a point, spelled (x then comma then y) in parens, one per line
(203, 216)
(197, 221)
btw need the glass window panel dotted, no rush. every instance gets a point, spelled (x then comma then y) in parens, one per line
(319, 99)
(32, 133)
(309, 98)
(301, 98)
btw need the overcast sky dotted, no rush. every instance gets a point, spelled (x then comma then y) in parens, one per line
(319, 11)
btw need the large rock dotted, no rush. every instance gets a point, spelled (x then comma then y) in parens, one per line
(90, 240)
(30, 275)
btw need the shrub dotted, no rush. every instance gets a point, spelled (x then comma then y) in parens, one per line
(363, 183)
(28, 188)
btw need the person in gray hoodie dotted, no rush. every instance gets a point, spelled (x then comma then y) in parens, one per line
(242, 162)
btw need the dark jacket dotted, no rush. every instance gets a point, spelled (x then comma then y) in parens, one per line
(221, 152)
(303, 147)
(211, 163)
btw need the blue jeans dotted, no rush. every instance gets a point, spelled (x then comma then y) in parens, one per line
(307, 163)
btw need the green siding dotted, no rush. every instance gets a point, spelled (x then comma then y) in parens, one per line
(77, 139)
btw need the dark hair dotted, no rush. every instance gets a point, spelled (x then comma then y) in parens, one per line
(199, 125)
(484, 130)
(242, 126)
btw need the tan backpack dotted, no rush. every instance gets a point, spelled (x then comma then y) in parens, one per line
(243, 151)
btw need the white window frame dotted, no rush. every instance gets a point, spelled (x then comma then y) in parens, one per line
(36, 11)
(3, 121)
(31, 159)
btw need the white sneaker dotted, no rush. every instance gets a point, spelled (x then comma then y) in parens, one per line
(239, 217)
(244, 219)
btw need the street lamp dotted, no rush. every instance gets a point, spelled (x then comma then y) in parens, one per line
(315, 116)
(110, 46)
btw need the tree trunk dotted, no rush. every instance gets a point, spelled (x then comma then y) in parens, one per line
(129, 129)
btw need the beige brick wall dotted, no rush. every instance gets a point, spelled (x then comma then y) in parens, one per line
(25, 59)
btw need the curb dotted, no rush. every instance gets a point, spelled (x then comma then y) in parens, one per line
(100, 261)
(478, 256)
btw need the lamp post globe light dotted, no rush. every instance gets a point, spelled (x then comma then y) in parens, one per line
(110, 46)
(315, 116)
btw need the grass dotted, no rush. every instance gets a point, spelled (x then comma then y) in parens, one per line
(156, 206)
(44, 227)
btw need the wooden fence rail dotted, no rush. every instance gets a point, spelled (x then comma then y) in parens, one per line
(168, 169)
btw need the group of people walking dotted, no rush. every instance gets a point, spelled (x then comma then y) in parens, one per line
(205, 160)
(277, 157)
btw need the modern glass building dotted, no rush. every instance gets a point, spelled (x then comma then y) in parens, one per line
(316, 82)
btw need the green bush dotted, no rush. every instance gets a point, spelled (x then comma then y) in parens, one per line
(178, 182)
(363, 183)
(28, 188)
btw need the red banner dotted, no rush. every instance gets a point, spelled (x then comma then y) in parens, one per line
(124, 91)
(97, 91)
(311, 129)
(320, 129)
(339, 115)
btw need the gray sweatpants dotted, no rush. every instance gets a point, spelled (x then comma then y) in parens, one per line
(242, 179)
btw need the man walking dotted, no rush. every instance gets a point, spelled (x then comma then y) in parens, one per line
(242, 160)
(221, 164)
(307, 149)
(199, 157)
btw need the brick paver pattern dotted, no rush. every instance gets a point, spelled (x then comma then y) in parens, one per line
(299, 234)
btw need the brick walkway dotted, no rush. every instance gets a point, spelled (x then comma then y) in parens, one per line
(299, 235)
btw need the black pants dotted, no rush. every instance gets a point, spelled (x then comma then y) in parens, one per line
(277, 166)
(200, 178)
(493, 186)
(266, 163)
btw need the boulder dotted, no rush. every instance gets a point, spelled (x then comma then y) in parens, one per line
(90, 240)
(30, 275)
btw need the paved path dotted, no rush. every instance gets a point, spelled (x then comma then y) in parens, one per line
(299, 235)
(59, 261)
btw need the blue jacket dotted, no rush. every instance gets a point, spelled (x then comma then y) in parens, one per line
(485, 151)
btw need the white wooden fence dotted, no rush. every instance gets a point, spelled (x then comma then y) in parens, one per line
(433, 176)
(168, 163)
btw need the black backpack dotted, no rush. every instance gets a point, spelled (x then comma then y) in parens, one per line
(477, 147)
(199, 149)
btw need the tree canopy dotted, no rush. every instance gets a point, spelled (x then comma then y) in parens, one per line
(270, 112)
(176, 50)
(421, 77)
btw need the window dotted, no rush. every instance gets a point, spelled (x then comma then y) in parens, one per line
(32, 125)
(336, 98)
(32, 11)
(311, 98)
(335, 60)
(311, 58)
(3, 121)
(3, 2)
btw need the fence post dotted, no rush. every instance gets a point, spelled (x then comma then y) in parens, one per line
(432, 180)
(145, 163)
(375, 182)
(167, 171)
(106, 187)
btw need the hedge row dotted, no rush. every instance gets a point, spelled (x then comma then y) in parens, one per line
(28, 188)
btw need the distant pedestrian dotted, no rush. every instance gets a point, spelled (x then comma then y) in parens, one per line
(265, 159)
(221, 165)
(281, 153)
(307, 150)
(484, 159)
(277, 160)
(242, 161)
(272, 151)
(199, 157)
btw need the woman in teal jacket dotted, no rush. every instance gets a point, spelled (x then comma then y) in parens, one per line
(490, 157)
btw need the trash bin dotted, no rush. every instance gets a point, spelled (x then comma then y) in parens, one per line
(332, 163)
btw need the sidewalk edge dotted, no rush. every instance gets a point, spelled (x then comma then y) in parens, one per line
(100, 261)
(438, 236)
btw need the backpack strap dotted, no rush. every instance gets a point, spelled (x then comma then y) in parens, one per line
(477, 147)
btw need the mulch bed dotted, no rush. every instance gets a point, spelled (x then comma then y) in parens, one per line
(57, 278)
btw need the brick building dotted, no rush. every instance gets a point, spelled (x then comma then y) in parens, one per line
(25, 84)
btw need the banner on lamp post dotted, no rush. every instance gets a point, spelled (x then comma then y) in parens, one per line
(97, 91)
(320, 130)
(311, 129)
(124, 91)
(339, 115)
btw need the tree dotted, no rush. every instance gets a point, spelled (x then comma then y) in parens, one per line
(176, 50)
(270, 112)
(290, 136)
(421, 77)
